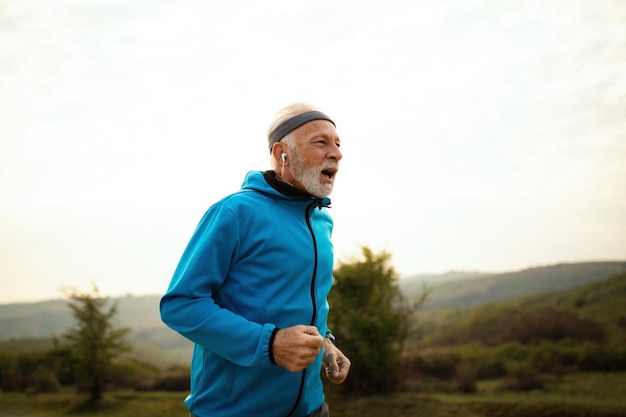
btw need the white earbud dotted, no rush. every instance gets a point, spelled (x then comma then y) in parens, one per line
(284, 157)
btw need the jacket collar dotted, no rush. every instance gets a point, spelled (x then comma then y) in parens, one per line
(291, 191)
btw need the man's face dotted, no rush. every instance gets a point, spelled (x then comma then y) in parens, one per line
(314, 161)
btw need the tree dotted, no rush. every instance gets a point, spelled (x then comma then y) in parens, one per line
(95, 341)
(371, 319)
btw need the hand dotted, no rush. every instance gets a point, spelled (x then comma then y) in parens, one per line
(336, 364)
(296, 347)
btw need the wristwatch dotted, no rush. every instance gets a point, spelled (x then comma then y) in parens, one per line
(330, 336)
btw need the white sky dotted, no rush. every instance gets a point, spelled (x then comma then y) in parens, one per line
(477, 134)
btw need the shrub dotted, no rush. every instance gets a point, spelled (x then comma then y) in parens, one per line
(512, 351)
(172, 382)
(45, 380)
(596, 358)
(482, 359)
(555, 358)
(438, 364)
(131, 373)
(522, 377)
(17, 371)
(465, 379)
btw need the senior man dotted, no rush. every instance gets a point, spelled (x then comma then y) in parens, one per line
(251, 287)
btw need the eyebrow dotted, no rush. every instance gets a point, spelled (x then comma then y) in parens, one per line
(326, 138)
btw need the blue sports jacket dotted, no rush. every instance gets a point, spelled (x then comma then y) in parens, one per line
(258, 260)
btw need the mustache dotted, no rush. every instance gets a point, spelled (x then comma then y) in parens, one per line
(330, 165)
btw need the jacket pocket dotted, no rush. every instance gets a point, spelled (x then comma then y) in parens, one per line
(231, 375)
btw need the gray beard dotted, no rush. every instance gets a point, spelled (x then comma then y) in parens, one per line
(310, 177)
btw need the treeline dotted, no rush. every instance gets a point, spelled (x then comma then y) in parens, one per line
(36, 371)
(521, 367)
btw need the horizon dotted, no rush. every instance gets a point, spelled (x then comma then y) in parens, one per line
(412, 276)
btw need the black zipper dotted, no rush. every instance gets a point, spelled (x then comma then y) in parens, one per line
(307, 217)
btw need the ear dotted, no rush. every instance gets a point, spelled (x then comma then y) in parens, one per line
(277, 150)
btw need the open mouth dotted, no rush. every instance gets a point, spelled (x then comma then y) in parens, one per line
(329, 173)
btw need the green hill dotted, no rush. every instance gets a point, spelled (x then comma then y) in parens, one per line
(594, 312)
(470, 289)
(50, 318)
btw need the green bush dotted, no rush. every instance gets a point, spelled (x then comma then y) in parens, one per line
(436, 363)
(555, 358)
(522, 377)
(598, 358)
(174, 380)
(465, 378)
(512, 351)
(17, 371)
(45, 380)
(131, 373)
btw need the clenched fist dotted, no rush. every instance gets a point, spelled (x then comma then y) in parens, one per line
(296, 347)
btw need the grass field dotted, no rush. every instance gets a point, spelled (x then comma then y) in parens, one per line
(582, 395)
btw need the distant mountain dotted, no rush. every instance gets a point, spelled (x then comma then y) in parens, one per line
(445, 277)
(51, 318)
(456, 289)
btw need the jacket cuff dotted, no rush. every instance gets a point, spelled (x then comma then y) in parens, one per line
(271, 343)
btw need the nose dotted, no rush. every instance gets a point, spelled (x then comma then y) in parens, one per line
(335, 153)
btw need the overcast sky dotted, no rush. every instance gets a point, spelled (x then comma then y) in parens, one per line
(477, 134)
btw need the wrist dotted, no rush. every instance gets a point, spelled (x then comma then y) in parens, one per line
(271, 346)
(330, 336)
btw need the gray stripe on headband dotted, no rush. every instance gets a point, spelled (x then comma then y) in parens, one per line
(295, 122)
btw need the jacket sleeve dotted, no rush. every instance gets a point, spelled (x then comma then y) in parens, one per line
(189, 306)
